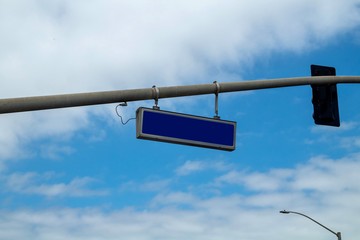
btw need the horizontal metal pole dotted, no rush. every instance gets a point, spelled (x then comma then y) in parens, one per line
(11, 105)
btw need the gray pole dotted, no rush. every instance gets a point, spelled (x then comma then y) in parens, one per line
(23, 104)
(338, 234)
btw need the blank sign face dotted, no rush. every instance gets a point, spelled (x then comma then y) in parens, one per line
(185, 129)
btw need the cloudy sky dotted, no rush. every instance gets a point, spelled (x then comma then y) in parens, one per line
(79, 173)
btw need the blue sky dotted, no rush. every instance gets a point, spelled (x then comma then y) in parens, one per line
(78, 173)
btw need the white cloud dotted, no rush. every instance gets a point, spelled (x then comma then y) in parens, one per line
(333, 198)
(50, 47)
(21, 129)
(54, 152)
(256, 181)
(31, 183)
(175, 198)
(67, 46)
(345, 137)
(193, 166)
(345, 126)
(155, 185)
(189, 167)
(146, 186)
(320, 174)
(328, 175)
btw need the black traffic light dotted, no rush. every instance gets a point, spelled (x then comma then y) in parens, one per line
(324, 98)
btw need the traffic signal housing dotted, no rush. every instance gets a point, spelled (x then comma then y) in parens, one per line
(324, 98)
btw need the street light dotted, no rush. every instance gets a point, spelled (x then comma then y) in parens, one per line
(338, 234)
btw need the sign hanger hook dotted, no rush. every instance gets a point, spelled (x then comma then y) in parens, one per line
(156, 93)
(217, 90)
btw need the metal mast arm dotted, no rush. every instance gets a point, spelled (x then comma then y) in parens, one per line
(23, 104)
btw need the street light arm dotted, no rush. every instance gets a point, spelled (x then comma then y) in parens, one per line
(338, 234)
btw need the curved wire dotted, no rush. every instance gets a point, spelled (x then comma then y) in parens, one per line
(117, 113)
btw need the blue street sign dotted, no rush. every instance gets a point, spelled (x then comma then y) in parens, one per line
(185, 129)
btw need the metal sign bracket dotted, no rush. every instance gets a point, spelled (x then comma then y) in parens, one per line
(217, 85)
